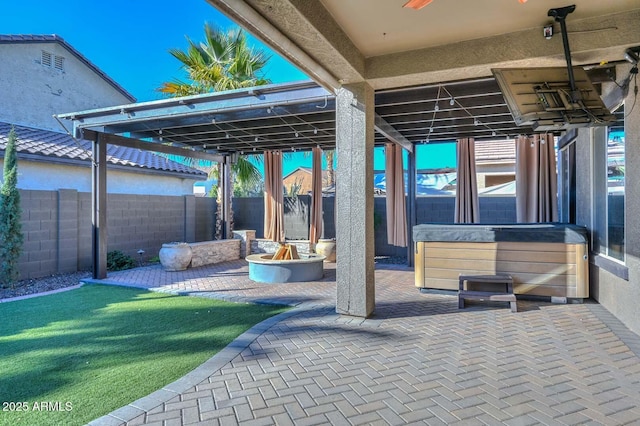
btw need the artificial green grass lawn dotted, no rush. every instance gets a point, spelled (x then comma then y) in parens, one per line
(98, 348)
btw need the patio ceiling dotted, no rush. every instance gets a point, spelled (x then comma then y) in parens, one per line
(430, 69)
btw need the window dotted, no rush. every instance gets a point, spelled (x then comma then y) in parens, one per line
(50, 60)
(609, 192)
(567, 184)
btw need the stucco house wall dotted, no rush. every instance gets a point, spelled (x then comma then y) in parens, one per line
(32, 91)
(150, 198)
(33, 176)
(42, 75)
(301, 177)
(608, 284)
(49, 161)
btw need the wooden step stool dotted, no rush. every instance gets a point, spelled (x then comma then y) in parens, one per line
(498, 296)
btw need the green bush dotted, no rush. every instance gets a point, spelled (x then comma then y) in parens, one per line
(117, 261)
(10, 212)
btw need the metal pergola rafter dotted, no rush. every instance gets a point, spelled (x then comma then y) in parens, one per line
(291, 116)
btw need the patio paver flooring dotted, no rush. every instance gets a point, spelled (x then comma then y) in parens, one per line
(418, 359)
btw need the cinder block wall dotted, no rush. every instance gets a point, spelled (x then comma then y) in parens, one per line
(57, 227)
(498, 209)
(68, 225)
(206, 209)
(249, 214)
(380, 231)
(297, 216)
(57, 224)
(493, 209)
(40, 231)
(140, 222)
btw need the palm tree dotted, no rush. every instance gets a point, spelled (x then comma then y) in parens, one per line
(223, 61)
(328, 156)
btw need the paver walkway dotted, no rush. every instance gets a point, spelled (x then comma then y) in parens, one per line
(419, 360)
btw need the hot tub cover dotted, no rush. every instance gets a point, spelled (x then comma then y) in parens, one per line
(489, 233)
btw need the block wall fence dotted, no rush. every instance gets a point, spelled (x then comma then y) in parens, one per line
(57, 224)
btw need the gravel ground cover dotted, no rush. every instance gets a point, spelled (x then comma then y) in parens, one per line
(40, 285)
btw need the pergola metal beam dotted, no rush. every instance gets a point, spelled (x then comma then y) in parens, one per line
(461, 89)
(213, 119)
(300, 116)
(391, 134)
(150, 146)
(192, 106)
(99, 205)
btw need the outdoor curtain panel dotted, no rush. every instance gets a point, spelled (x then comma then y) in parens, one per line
(466, 210)
(536, 180)
(396, 205)
(273, 196)
(315, 228)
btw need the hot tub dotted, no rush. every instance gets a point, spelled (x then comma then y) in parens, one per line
(543, 259)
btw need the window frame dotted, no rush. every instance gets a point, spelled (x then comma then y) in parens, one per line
(600, 236)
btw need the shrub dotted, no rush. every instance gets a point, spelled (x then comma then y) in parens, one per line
(10, 211)
(118, 261)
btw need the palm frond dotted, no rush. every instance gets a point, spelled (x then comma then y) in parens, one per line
(222, 61)
(245, 171)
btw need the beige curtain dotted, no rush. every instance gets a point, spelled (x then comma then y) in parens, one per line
(536, 180)
(315, 229)
(273, 196)
(467, 210)
(396, 204)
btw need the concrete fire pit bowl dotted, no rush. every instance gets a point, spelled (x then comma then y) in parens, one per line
(263, 269)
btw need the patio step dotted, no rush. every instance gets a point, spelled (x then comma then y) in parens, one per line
(493, 296)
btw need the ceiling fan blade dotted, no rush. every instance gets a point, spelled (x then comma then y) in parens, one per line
(417, 4)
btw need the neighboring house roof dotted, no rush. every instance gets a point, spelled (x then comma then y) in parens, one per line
(307, 170)
(54, 38)
(491, 151)
(46, 145)
(428, 182)
(508, 188)
(298, 169)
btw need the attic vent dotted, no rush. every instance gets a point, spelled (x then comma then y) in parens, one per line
(52, 61)
(59, 63)
(46, 59)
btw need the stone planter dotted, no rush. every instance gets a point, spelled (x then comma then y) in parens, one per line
(175, 256)
(327, 248)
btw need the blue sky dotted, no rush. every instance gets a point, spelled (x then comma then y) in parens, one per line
(128, 39)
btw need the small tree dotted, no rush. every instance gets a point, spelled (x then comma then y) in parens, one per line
(10, 212)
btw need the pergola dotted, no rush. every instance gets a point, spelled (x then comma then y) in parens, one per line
(294, 116)
(290, 117)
